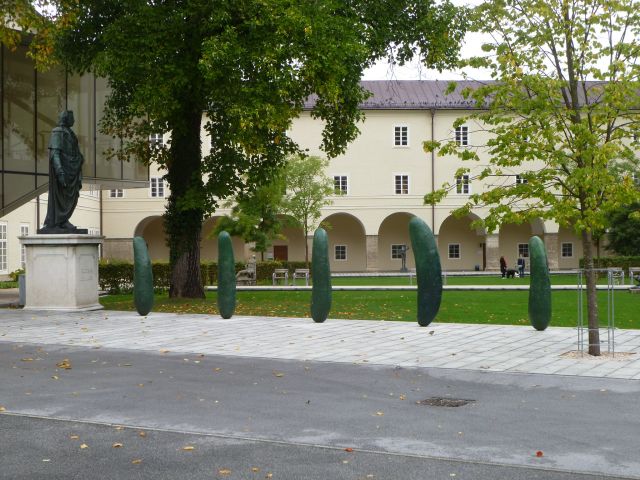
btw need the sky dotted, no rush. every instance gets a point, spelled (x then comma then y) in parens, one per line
(416, 71)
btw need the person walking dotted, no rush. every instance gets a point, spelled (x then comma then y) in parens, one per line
(503, 267)
(521, 264)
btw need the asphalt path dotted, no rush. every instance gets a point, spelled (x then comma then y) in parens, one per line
(101, 413)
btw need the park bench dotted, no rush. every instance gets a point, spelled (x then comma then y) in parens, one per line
(301, 273)
(280, 275)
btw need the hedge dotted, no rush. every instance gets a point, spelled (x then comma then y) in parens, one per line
(618, 262)
(117, 277)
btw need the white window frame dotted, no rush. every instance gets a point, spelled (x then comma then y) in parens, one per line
(398, 256)
(335, 253)
(461, 133)
(157, 180)
(4, 248)
(523, 249)
(24, 231)
(521, 180)
(338, 191)
(395, 183)
(399, 138)
(457, 245)
(562, 245)
(463, 181)
(116, 193)
(156, 139)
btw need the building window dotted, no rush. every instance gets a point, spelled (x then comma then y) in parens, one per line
(402, 185)
(454, 250)
(462, 135)
(398, 250)
(521, 180)
(116, 193)
(401, 136)
(523, 250)
(340, 185)
(462, 185)
(156, 139)
(24, 231)
(567, 250)
(340, 252)
(3, 247)
(156, 187)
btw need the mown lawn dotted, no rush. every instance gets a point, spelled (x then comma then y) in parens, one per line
(498, 307)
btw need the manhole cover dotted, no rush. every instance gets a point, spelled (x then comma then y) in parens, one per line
(445, 402)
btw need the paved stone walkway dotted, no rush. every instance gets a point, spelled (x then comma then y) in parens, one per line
(474, 347)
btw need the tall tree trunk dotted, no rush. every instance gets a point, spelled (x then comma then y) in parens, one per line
(185, 210)
(592, 295)
(306, 246)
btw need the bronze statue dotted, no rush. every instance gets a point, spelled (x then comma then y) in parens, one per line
(65, 177)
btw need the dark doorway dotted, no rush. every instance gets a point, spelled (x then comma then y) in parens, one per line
(281, 252)
(484, 256)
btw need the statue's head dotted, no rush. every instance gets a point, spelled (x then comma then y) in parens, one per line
(66, 118)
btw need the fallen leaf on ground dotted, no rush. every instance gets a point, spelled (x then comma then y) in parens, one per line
(119, 427)
(379, 414)
(278, 374)
(29, 359)
(84, 445)
(268, 475)
(2, 409)
(188, 447)
(348, 449)
(224, 471)
(164, 350)
(116, 445)
(255, 469)
(55, 377)
(136, 461)
(46, 459)
(539, 453)
(74, 437)
(66, 364)
(142, 434)
(402, 397)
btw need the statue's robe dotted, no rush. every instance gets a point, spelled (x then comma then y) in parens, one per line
(65, 156)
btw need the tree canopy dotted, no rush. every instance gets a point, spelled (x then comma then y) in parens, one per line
(624, 233)
(248, 66)
(561, 112)
(308, 189)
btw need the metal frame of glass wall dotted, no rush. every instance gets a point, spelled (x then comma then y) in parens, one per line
(30, 102)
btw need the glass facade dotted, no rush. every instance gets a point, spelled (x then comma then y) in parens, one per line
(30, 104)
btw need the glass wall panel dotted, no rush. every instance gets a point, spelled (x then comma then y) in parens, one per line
(50, 102)
(18, 109)
(17, 186)
(80, 99)
(105, 167)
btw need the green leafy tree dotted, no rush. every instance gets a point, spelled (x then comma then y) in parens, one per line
(624, 233)
(307, 190)
(561, 112)
(240, 71)
(256, 216)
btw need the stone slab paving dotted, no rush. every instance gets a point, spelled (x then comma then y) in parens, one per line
(460, 346)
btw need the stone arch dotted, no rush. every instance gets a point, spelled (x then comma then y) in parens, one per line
(466, 242)
(209, 243)
(292, 241)
(152, 230)
(394, 230)
(346, 230)
(511, 235)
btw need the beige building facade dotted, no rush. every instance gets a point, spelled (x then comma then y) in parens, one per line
(380, 184)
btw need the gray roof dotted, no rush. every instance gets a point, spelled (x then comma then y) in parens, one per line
(427, 94)
(413, 95)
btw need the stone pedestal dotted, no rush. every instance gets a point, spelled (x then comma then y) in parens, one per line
(62, 272)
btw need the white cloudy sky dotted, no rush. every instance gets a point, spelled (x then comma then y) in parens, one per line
(415, 71)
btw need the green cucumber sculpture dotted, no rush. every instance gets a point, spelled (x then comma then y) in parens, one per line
(540, 286)
(428, 270)
(142, 277)
(321, 275)
(226, 276)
